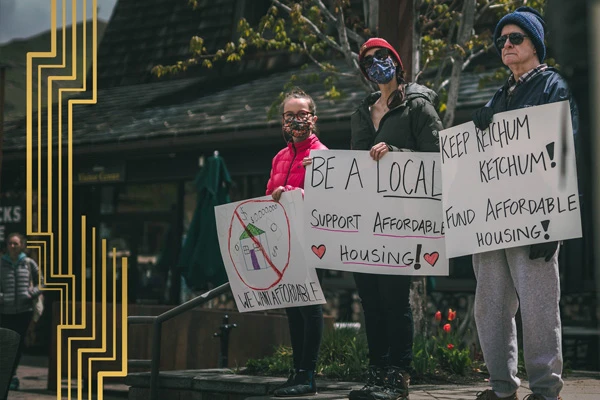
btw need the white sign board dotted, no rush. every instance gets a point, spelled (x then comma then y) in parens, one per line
(376, 217)
(509, 185)
(259, 241)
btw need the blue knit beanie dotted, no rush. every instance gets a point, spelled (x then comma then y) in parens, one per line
(532, 23)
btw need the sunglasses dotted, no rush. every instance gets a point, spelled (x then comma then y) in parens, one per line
(380, 54)
(300, 115)
(515, 38)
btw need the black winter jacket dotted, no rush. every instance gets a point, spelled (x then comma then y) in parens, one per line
(546, 87)
(413, 125)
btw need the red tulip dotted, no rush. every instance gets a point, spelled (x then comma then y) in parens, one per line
(438, 316)
(450, 346)
(447, 328)
(451, 314)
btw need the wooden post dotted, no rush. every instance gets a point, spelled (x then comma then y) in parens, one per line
(396, 25)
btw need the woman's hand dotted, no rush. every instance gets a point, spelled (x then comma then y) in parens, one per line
(277, 193)
(379, 150)
(306, 161)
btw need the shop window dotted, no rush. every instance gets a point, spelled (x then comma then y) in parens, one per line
(107, 200)
(248, 186)
(147, 197)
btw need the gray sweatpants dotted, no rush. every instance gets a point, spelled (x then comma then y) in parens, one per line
(507, 279)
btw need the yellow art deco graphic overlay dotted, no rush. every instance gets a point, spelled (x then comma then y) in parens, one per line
(45, 219)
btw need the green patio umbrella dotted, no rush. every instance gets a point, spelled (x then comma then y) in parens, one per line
(200, 260)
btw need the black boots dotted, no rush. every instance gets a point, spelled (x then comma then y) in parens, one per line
(375, 382)
(303, 385)
(289, 382)
(383, 384)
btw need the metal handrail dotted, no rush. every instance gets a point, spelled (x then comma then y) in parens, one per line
(157, 322)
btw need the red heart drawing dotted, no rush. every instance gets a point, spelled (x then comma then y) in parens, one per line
(319, 250)
(431, 258)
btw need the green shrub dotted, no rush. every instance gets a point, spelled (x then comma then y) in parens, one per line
(343, 355)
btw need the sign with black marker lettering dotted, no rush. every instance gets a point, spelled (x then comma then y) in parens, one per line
(263, 257)
(513, 184)
(380, 217)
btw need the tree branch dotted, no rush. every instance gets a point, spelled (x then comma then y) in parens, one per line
(323, 67)
(475, 55)
(416, 80)
(435, 21)
(308, 22)
(351, 34)
(350, 57)
(484, 9)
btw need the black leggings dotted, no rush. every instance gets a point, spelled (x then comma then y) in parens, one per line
(306, 332)
(18, 323)
(388, 318)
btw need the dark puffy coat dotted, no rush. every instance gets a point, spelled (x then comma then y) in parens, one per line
(413, 125)
(287, 169)
(546, 87)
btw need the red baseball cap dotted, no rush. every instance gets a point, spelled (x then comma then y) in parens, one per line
(378, 42)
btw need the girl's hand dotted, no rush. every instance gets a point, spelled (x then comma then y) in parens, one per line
(306, 161)
(379, 150)
(277, 193)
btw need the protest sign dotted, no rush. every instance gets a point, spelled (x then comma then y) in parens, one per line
(380, 217)
(512, 184)
(262, 254)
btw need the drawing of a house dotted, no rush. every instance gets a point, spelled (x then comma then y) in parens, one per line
(251, 241)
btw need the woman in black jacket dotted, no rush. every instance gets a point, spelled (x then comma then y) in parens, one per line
(399, 117)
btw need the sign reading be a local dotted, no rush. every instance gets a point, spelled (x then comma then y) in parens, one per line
(263, 256)
(513, 184)
(380, 217)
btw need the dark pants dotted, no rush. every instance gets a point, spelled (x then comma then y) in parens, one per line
(306, 332)
(18, 323)
(388, 318)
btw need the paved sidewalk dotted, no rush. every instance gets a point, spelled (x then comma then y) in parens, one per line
(33, 376)
(581, 386)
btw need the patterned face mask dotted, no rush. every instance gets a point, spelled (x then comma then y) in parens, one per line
(298, 129)
(382, 71)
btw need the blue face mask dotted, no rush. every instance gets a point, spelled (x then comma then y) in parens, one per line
(382, 71)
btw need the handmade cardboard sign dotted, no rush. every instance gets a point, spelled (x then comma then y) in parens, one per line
(262, 253)
(513, 184)
(380, 217)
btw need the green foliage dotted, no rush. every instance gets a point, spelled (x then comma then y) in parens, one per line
(303, 26)
(343, 356)
(442, 350)
(280, 363)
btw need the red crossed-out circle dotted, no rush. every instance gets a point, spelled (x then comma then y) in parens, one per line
(236, 216)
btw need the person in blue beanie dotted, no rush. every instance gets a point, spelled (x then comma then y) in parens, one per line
(525, 276)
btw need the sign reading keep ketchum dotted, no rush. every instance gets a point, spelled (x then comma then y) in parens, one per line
(376, 217)
(512, 184)
(263, 256)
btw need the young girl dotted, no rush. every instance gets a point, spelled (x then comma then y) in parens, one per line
(287, 173)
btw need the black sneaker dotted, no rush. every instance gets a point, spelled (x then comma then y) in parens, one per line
(304, 385)
(288, 383)
(375, 383)
(395, 386)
